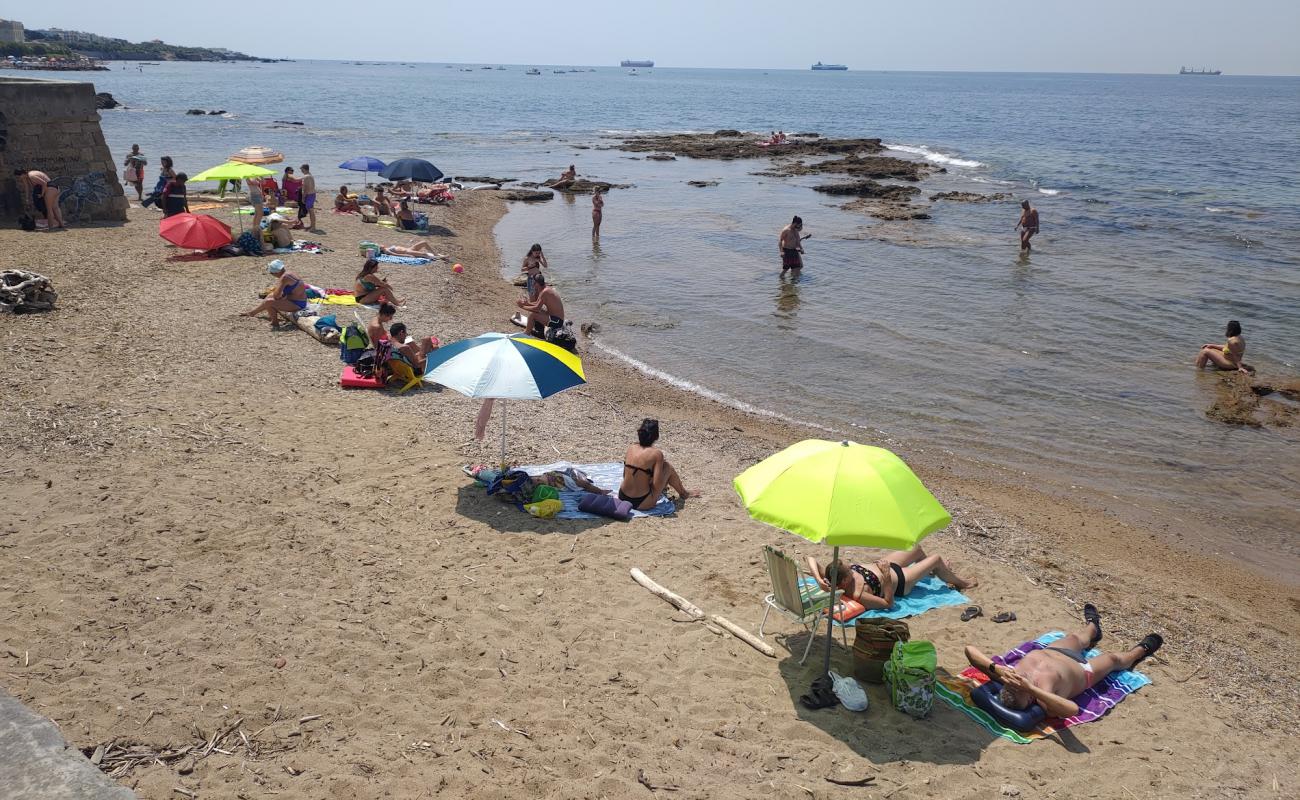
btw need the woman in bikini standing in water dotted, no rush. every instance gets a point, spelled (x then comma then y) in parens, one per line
(597, 212)
(876, 585)
(646, 472)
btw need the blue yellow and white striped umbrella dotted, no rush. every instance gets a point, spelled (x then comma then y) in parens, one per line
(497, 366)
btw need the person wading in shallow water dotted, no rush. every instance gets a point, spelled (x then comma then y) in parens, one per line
(597, 212)
(1028, 224)
(790, 243)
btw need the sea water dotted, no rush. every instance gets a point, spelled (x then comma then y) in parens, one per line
(1168, 206)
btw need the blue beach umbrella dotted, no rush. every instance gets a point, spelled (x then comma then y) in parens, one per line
(495, 365)
(366, 164)
(411, 169)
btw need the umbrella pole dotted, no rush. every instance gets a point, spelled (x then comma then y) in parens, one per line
(830, 616)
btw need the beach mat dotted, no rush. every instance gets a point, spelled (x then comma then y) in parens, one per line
(606, 476)
(1093, 703)
(407, 260)
(929, 593)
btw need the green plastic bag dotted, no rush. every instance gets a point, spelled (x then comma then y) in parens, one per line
(544, 492)
(910, 675)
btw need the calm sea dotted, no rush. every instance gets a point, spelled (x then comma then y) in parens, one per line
(1169, 205)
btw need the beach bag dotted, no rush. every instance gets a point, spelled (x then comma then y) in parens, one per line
(250, 243)
(353, 343)
(873, 643)
(513, 486)
(544, 509)
(421, 221)
(563, 337)
(910, 675)
(545, 492)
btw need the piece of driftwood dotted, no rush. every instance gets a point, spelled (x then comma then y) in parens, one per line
(22, 291)
(667, 596)
(743, 635)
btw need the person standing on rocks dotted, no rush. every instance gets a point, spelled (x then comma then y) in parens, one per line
(790, 243)
(307, 208)
(1028, 224)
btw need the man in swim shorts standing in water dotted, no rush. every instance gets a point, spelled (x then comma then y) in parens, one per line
(1028, 224)
(790, 243)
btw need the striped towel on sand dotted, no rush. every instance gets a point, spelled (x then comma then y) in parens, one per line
(1093, 704)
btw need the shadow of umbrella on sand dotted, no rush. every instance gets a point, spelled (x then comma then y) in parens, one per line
(495, 366)
(843, 494)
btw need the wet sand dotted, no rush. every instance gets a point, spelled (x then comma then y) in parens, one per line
(201, 529)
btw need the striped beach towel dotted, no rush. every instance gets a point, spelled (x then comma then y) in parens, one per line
(1093, 703)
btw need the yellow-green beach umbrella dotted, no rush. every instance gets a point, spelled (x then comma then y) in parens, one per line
(842, 494)
(232, 171)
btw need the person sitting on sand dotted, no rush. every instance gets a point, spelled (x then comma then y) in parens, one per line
(377, 330)
(370, 288)
(1227, 356)
(1028, 224)
(895, 575)
(412, 249)
(381, 204)
(534, 263)
(412, 351)
(646, 472)
(405, 217)
(345, 203)
(545, 310)
(281, 236)
(1052, 675)
(290, 295)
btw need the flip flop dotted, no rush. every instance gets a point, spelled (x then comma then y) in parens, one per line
(820, 695)
(1150, 643)
(1090, 615)
(1005, 616)
(971, 613)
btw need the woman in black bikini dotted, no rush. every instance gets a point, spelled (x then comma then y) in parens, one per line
(876, 585)
(646, 472)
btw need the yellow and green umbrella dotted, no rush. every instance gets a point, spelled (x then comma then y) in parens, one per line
(843, 494)
(232, 171)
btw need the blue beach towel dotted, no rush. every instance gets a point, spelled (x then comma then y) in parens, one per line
(930, 592)
(606, 476)
(409, 261)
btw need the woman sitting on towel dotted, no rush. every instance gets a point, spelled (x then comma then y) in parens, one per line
(290, 295)
(405, 217)
(345, 203)
(646, 472)
(370, 288)
(876, 585)
(412, 249)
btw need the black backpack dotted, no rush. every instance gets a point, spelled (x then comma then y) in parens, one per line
(27, 222)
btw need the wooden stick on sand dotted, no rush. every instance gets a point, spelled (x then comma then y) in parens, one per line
(698, 615)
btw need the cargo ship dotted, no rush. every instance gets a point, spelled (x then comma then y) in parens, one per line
(647, 63)
(1202, 71)
(820, 67)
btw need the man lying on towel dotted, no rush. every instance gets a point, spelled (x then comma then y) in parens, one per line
(1051, 675)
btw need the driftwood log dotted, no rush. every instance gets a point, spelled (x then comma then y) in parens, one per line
(698, 615)
(21, 291)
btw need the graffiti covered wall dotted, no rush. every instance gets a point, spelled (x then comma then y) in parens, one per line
(53, 126)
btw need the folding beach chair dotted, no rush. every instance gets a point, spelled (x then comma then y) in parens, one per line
(801, 600)
(399, 370)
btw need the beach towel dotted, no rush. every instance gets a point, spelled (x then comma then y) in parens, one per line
(930, 592)
(301, 246)
(1093, 703)
(332, 299)
(606, 476)
(408, 260)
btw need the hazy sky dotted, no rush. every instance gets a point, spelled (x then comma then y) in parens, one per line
(1237, 36)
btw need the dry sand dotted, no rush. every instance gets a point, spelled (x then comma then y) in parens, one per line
(198, 528)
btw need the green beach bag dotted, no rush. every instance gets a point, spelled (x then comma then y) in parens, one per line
(910, 675)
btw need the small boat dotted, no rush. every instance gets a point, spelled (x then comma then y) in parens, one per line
(533, 71)
(558, 71)
(820, 67)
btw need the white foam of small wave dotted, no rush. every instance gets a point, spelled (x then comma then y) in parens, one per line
(1215, 210)
(935, 156)
(1050, 191)
(995, 181)
(695, 388)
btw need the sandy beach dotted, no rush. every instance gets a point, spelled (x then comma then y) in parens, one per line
(203, 536)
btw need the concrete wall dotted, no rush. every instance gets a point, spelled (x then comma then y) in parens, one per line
(53, 126)
(11, 32)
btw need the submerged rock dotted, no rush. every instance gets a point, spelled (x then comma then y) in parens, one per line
(197, 112)
(660, 157)
(701, 184)
(728, 133)
(728, 147)
(483, 179)
(526, 195)
(870, 166)
(972, 197)
(871, 189)
(287, 122)
(583, 186)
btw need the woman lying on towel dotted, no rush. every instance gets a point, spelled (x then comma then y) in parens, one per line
(876, 585)
(412, 249)
(646, 472)
(370, 288)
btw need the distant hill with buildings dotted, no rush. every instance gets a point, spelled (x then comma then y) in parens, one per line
(107, 48)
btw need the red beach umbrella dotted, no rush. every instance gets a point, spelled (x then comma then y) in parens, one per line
(195, 231)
